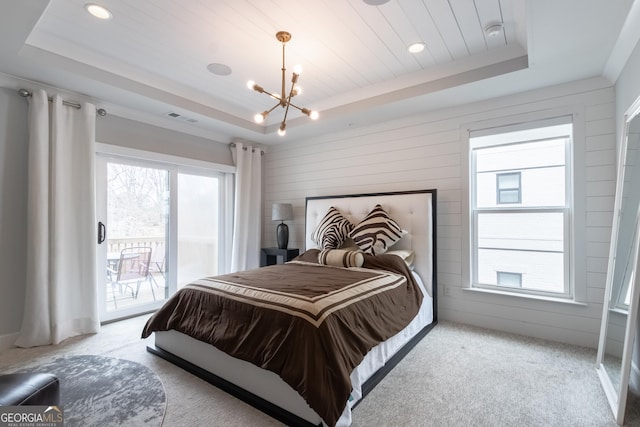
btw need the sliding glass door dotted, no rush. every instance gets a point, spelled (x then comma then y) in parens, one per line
(160, 225)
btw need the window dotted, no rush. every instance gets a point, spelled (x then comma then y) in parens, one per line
(520, 203)
(508, 185)
(511, 280)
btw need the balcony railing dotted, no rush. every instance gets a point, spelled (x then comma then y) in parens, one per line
(155, 243)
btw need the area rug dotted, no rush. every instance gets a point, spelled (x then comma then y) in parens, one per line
(106, 391)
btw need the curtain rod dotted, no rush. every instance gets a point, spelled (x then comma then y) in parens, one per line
(100, 111)
(233, 144)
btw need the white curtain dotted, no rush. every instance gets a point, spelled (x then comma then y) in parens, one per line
(245, 250)
(61, 294)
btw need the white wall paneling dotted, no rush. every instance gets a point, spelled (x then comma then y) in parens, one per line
(424, 151)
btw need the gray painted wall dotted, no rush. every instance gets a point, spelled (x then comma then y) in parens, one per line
(128, 133)
(13, 208)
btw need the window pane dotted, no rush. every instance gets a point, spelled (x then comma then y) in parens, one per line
(510, 280)
(136, 217)
(509, 196)
(528, 243)
(508, 180)
(521, 155)
(197, 227)
(541, 166)
(541, 271)
(523, 231)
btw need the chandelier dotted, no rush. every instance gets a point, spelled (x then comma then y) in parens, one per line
(283, 99)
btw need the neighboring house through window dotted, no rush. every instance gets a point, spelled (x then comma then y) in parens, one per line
(510, 280)
(520, 199)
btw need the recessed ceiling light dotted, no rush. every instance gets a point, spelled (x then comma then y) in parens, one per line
(219, 69)
(375, 2)
(416, 47)
(98, 11)
(493, 30)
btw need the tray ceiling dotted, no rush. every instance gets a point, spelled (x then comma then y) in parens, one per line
(152, 57)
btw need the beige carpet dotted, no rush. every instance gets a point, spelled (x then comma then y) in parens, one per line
(457, 376)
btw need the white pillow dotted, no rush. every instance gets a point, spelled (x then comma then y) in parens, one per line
(407, 256)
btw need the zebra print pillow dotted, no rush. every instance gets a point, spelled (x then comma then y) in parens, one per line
(332, 230)
(376, 232)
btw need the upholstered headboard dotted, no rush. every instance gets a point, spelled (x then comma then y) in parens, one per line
(414, 211)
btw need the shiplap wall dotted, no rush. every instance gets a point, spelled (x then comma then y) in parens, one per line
(426, 151)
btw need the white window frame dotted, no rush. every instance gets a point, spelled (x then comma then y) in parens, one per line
(575, 219)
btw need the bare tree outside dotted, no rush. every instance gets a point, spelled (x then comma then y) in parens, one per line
(137, 201)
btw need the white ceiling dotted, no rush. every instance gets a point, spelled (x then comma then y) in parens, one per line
(151, 58)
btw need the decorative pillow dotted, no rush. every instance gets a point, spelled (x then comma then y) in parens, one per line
(349, 245)
(332, 230)
(341, 258)
(407, 255)
(376, 232)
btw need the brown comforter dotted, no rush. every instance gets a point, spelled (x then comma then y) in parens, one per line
(310, 324)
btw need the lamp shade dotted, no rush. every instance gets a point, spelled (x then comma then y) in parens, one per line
(281, 212)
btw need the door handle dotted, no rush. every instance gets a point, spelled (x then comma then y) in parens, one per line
(102, 232)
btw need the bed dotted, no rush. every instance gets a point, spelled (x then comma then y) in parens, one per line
(281, 395)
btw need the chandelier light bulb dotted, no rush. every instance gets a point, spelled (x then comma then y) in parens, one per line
(297, 90)
(282, 132)
(259, 118)
(314, 115)
(297, 69)
(251, 84)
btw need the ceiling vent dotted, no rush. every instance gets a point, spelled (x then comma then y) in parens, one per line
(179, 116)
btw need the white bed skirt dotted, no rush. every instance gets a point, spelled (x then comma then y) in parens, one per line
(270, 386)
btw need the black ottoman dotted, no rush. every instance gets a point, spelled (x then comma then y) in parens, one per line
(29, 389)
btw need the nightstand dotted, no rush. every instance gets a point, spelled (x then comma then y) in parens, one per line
(271, 256)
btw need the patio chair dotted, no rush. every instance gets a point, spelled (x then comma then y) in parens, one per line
(158, 257)
(132, 268)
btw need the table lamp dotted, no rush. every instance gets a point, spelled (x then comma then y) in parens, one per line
(282, 212)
